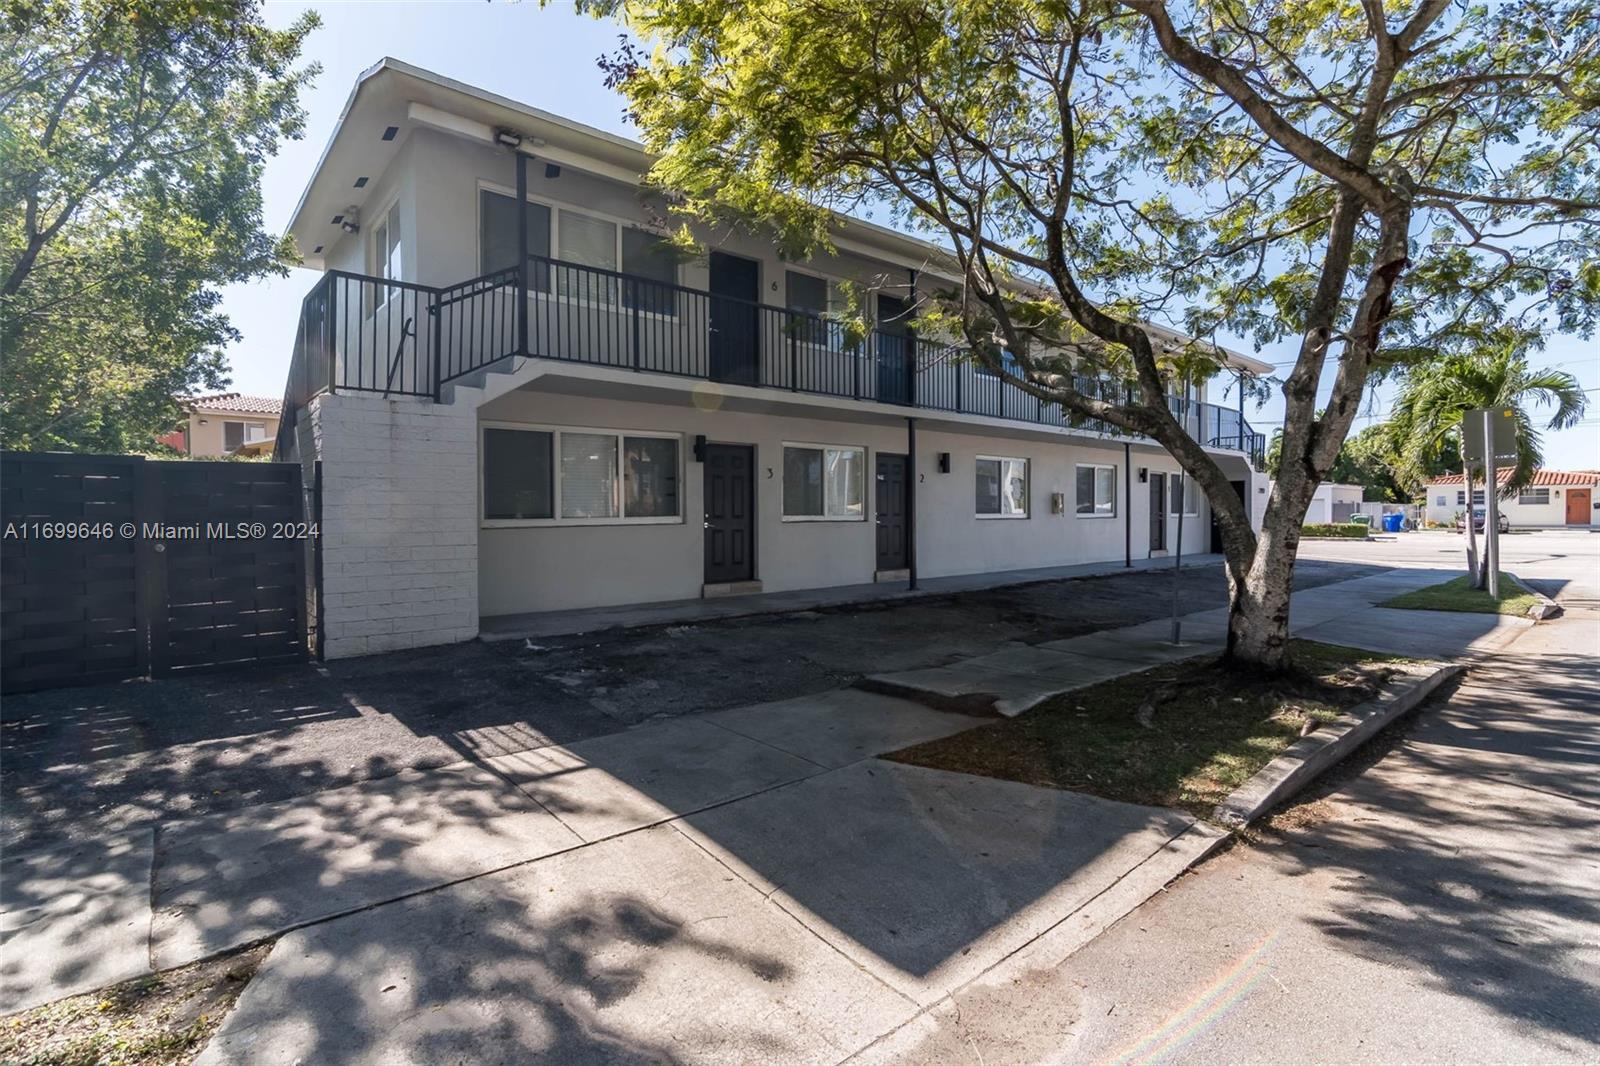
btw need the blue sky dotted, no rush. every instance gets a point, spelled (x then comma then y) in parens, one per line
(546, 57)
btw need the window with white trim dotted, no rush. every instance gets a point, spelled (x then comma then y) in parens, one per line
(1477, 498)
(237, 434)
(1001, 490)
(1097, 490)
(1533, 497)
(579, 476)
(387, 251)
(498, 237)
(821, 482)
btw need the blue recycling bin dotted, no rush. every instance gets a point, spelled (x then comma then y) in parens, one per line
(1392, 523)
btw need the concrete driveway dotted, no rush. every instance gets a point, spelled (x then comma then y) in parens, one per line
(110, 758)
(739, 885)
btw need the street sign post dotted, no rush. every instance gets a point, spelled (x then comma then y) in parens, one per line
(1498, 424)
(1489, 436)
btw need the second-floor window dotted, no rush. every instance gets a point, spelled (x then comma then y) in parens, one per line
(598, 247)
(386, 249)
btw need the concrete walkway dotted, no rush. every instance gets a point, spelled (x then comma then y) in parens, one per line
(560, 623)
(1017, 679)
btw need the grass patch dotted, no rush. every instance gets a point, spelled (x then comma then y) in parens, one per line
(1458, 594)
(1183, 735)
(163, 1019)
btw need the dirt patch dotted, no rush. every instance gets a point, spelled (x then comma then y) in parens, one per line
(1184, 735)
(164, 1019)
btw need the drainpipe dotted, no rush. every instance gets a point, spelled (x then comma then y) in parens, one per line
(911, 344)
(522, 253)
(911, 501)
(1127, 504)
(1241, 418)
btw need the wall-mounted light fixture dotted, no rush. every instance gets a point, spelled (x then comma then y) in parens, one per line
(944, 462)
(1144, 474)
(351, 219)
(508, 138)
(552, 171)
(700, 449)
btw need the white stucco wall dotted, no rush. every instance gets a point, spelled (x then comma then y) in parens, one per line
(542, 568)
(399, 536)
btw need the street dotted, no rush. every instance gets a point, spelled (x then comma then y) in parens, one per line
(1433, 902)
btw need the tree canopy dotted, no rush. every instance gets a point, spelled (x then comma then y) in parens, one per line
(132, 137)
(1361, 180)
(1435, 396)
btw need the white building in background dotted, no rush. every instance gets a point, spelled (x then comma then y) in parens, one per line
(1557, 499)
(613, 424)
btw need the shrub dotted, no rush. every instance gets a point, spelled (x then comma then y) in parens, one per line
(1354, 530)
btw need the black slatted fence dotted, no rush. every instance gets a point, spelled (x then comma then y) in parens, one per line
(113, 567)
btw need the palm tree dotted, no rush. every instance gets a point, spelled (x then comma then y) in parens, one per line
(1434, 396)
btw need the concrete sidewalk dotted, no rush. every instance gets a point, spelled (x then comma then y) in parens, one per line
(1017, 679)
(1437, 906)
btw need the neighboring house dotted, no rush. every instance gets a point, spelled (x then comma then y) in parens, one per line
(1333, 503)
(547, 408)
(1556, 499)
(226, 423)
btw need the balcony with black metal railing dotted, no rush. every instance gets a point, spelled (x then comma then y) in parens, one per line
(360, 333)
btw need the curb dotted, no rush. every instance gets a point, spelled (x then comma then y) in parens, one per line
(1545, 608)
(1307, 758)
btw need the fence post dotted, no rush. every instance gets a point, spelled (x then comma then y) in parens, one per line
(634, 284)
(436, 309)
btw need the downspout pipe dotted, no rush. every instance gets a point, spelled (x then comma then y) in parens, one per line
(911, 501)
(1127, 504)
(522, 253)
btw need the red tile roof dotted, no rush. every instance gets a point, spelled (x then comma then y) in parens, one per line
(233, 401)
(1540, 477)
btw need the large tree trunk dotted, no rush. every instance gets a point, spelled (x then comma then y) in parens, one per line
(1258, 596)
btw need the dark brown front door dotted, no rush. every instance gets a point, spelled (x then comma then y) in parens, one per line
(1158, 512)
(1577, 507)
(730, 513)
(891, 512)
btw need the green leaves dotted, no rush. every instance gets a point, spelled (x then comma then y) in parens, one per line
(132, 137)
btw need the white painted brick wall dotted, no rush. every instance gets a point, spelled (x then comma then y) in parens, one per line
(399, 530)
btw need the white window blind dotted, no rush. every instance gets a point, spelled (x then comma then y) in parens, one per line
(588, 475)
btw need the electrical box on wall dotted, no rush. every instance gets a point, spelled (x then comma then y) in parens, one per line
(1058, 503)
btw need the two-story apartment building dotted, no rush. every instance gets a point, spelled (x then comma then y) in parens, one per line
(545, 408)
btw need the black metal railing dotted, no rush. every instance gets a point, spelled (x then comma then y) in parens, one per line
(402, 338)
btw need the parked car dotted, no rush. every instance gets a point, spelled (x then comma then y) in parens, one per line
(1479, 517)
